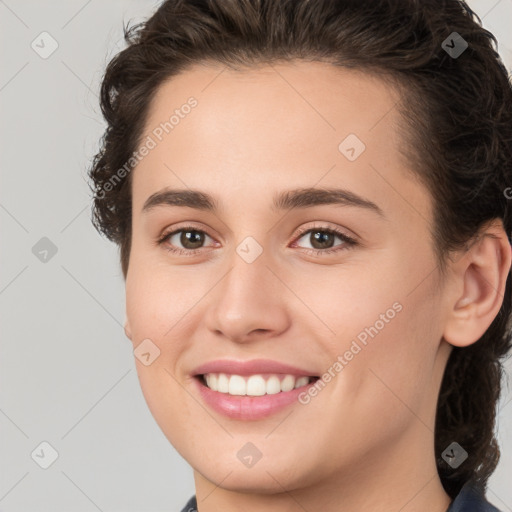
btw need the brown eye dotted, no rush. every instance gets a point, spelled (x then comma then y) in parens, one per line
(323, 240)
(191, 239)
(187, 239)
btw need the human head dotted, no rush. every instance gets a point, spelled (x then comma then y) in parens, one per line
(457, 119)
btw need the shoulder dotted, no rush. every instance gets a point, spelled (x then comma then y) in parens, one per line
(471, 498)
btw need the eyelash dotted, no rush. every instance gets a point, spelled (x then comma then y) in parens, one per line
(348, 241)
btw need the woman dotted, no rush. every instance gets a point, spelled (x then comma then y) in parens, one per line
(310, 200)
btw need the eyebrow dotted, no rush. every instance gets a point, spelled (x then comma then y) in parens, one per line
(287, 200)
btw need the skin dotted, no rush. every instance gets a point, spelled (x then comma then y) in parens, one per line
(366, 441)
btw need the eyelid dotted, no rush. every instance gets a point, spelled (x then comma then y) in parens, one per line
(299, 232)
(166, 233)
(186, 226)
(326, 226)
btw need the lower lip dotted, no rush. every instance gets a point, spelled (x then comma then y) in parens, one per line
(249, 407)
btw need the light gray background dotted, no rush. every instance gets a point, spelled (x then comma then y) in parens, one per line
(67, 372)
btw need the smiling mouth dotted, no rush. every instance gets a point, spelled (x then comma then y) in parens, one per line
(254, 385)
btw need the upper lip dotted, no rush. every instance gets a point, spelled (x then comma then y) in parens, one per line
(252, 367)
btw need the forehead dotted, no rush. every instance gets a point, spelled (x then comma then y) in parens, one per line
(273, 125)
(327, 99)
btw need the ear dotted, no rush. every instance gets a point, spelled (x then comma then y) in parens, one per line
(479, 282)
(127, 330)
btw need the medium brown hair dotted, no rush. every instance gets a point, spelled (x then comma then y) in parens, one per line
(458, 110)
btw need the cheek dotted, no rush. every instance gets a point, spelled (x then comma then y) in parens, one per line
(387, 327)
(156, 308)
(391, 377)
(384, 387)
(156, 311)
(160, 300)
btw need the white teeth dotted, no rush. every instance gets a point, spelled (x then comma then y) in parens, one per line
(273, 385)
(288, 383)
(301, 381)
(255, 385)
(222, 383)
(236, 385)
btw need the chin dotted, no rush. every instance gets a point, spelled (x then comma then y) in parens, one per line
(248, 481)
(264, 477)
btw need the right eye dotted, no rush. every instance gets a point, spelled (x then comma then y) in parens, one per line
(189, 237)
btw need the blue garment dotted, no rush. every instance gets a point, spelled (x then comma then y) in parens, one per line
(469, 499)
(191, 505)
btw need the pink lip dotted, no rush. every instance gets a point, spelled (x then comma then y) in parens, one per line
(252, 367)
(248, 407)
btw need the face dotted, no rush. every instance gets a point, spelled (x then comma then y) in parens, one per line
(340, 286)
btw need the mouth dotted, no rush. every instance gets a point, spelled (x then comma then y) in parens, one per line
(255, 385)
(252, 389)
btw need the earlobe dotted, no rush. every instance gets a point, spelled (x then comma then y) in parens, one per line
(481, 274)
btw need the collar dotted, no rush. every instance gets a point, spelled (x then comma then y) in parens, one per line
(471, 498)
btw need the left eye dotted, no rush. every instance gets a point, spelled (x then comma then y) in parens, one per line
(322, 238)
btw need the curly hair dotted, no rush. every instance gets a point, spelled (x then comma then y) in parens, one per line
(457, 119)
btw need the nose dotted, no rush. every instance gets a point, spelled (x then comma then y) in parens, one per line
(250, 302)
